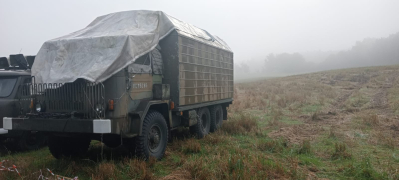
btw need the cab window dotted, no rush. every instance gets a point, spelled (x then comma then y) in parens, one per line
(7, 85)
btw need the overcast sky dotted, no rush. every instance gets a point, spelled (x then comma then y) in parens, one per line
(252, 29)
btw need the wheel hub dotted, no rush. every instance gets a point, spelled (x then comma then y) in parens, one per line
(154, 138)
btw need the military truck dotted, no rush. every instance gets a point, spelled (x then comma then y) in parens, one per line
(15, 71)
(129, 78)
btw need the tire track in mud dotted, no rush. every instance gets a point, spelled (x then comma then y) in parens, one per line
(341, 100)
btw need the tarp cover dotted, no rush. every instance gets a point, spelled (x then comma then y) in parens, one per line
(109, 44)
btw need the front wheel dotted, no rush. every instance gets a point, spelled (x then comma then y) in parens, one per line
(154, 136)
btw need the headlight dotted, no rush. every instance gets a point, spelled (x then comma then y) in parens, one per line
(38, 107)
(99, 107)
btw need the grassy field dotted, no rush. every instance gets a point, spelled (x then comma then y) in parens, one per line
(340, 124)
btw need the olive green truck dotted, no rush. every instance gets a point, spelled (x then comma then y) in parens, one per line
(166, 74)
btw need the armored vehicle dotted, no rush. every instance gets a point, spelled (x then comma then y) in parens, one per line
(128, 78)
(10, 79)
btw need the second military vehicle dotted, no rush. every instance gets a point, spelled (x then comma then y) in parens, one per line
(15, 71)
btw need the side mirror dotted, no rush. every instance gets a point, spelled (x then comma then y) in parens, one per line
(4, 63)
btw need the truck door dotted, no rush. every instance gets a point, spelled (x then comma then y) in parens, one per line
(144, 72)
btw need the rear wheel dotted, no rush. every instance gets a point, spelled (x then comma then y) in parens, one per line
(154, 137)
(216, 117)
(202, 128)
(68, 146)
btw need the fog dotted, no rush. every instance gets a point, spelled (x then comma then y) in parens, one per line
(309, 32)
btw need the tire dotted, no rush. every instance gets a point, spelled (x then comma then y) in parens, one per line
(31, 141)
(216, 117)
(68, 146)
(154, 136)
(202, 128)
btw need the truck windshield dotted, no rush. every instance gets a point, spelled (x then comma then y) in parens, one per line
(7, 85)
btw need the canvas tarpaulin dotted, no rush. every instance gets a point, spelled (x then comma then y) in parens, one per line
(109, 44)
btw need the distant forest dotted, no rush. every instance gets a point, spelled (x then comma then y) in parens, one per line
(369, 52)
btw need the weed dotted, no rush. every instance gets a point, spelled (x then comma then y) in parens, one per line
(242, 123)
(305, 147)
(390, 143)
(371, 120)
(106, 170)
(198, 169)
(358, 100)
(281, 103)
(340, 152)
(137, 169)
(273, 122)
(273, 146)
(332, 132)
(277, 114)
(315, 116)
(151, 161)
(191, 146)
(215, 138)
(386, 140)
(363, 170)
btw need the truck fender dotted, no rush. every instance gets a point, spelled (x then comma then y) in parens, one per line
(137, 116)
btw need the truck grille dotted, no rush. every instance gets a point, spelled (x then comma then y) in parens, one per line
(81, 97)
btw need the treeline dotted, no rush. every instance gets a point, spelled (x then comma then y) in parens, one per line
(286, 63)
(369, 52)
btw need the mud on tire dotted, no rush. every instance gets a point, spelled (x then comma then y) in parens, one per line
(154, 136)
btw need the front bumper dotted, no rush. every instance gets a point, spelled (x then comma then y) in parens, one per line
(97, 126)
(3, 131)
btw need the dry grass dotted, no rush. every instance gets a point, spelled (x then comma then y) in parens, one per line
(191, 146)
(241, 123)
(105, 170)
(339, 124)
(341, 152)
(370, 119)
(137, 169)
(305, 147)
(273, 146)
